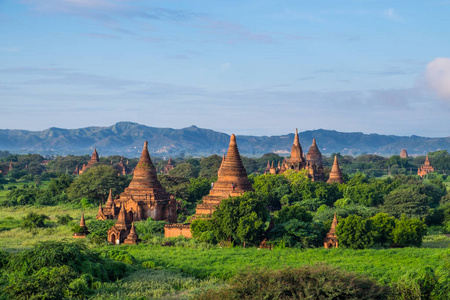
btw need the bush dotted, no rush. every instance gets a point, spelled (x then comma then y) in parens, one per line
(64, 220)
(148, 228)
(355, 232)
(307, 282)
(33, 220)
(57, 270)
(408, 232)
(119, 255)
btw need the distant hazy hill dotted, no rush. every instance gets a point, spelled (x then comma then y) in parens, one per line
(126, 138)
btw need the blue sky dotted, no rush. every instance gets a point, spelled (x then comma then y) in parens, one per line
(246, 67)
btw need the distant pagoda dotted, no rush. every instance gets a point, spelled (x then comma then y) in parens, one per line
(331, 240)
(336, 173)
(425, 168)
(84, 231)
(92, 162)
(404, 153)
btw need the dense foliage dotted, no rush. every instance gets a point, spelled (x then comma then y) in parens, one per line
(56, 270)
(307, 282)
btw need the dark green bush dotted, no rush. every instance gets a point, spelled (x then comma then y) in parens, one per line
(307, 282)
(33, 220)
(56, 270)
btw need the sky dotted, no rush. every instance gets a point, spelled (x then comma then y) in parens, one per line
(246, 67)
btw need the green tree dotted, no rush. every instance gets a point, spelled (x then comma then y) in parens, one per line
(407, 201)
(95, 184)
(383, 225)
(294, 228)
(227, 219)
(408, 232)
(198, 187)
(209, 166)
(355, 232)
(272, 188)
(185, 170)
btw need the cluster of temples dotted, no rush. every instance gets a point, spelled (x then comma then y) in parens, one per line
(143, 198)
(121, 167)
(146, 198)
(312, 162)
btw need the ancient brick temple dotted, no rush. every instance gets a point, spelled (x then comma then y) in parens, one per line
(121, 167)
(170, 165)
(123, 232)
(143, 198)
(331, 240)
(297, 161)
(232, 181)
(425, 168)
(336, 173)
(94, 160)
(404, 153)
(83, 226)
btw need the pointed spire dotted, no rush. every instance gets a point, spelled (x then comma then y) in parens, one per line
(296, 150)
(314, 156)
(232, 171)
(82, 222)
(271, 166)
(268, 165)
(100, 208)
(132, 237)
(427, 161)
(122, 219)
(94, 156)
(144, 175)
(110, 201)
(334, 223)
(296, 140)
(335, 174)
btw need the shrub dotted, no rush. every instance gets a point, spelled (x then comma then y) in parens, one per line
(56, 270)
(33, 220)
(355, 232)
(408, 232)
(149, 264)
(64, 220)
(119, 255)
(307, 282)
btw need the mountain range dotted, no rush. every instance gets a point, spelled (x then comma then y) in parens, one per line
(127, 138)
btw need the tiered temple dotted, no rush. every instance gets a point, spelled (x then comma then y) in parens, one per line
(336, 173)
(122, 168)
(404, 153)
(93, 161)
(425, 168)
(312, 162)
(143, 198)
(232, 181)
(170, 165)
(331, 240)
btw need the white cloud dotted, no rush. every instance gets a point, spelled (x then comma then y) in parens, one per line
(392, 15)
(437, 76)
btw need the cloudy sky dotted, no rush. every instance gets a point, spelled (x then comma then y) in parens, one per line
(250, 67)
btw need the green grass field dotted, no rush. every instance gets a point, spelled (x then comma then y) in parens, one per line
(187, 268)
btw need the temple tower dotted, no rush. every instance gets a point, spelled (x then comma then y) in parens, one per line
(232, 181)
(297, 160)
(404, 153)
(314, 162)
(330, 240)
(336, 173)
(425, 168)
